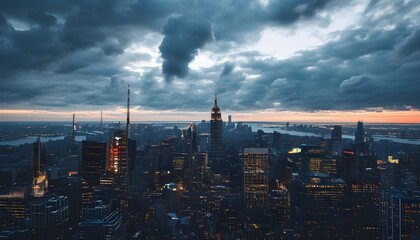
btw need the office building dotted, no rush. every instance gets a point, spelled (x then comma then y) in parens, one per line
(49, 218)
(360, 134)
(14, 205)
(216, 124)
(39, 161)
(93, 166)
(255, 164)
(316, 204)
(399, 214)
(337, 139)
(101, 221)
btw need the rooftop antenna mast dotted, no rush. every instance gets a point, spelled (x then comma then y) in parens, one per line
(128, 112)
(102, 123)
(74, 131)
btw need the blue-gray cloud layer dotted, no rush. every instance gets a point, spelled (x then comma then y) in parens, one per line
(68, 54)
(183, 37)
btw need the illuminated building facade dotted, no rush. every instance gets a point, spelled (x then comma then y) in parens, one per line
(120, 163)
(39, 161)
(280, 218)
(216, 124)
(361, 210)
(315, 159)
(399, 214)
(317, 212)
(93, 166)
(255, 163)
(118, 153)
(196, 175)
(14, 206)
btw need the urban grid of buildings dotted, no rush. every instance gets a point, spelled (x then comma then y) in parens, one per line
(213, 180)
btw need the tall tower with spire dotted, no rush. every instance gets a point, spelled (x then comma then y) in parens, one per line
(102, 123)
(216, 122)
(73, 132)
(39, 164)
(127, 127)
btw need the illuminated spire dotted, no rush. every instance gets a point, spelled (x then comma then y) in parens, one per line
(215, 112)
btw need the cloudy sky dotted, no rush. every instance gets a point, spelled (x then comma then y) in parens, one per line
(289, 60)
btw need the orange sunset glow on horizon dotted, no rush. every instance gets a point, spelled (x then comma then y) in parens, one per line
(386, 116)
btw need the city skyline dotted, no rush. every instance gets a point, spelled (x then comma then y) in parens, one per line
(201, 119)
(317, 61)
(118, 115)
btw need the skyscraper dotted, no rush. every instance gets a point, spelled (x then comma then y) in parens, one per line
(256, 201)
(121, 161)
(39, 158)
(337, 133)
(50, 218)
(215, 151)
(399, 214)
(118, 157)
(360, 133)
(39, 161)
(100, 221)
(127, 126)
(317, 211)
(255, 162)
(93, 165)
(336, 139)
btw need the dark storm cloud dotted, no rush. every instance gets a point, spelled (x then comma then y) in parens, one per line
(184, 36)
(64, 53)
(411, 45)
(227, 69)
(289, 11)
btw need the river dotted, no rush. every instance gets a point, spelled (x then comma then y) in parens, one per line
(32, 139)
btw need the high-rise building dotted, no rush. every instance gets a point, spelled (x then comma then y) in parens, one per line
(93, 165)
(316, 204)
(337, 133)
(100, 221)
(349, 166)
(279, 204)
(315, 159)
(216, 124)
(276, 139)
(399, 214)
(13, 206)
(50, 218)
(360, 133)
(118, 152)
(255, 162)
(122, 154)
(39, 158)
(337, 139)
(69, 186)
(39, 161)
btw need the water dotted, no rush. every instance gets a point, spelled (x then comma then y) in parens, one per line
(269, 128)
(279, 128)
(32, 139)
